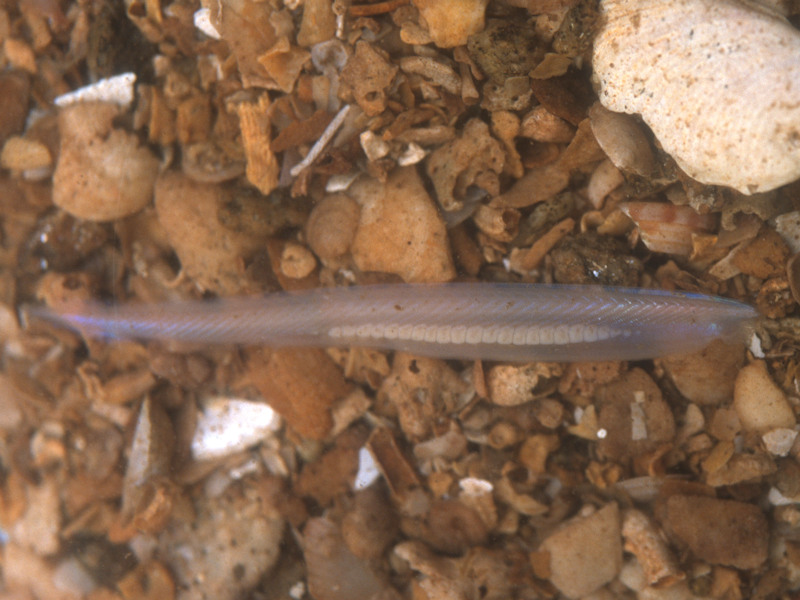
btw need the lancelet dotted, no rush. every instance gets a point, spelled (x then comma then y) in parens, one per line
(490, 321)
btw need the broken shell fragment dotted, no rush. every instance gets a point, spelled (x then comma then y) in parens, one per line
(623, 140)
(718, 82)
(229, 425)
(667, 228)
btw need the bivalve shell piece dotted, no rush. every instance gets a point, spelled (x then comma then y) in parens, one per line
(718, 82)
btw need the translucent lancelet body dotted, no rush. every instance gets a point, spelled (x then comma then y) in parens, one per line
(490, 321)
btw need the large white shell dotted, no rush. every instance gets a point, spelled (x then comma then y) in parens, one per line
(718, 82)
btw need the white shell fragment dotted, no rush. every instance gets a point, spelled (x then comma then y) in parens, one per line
(368, 471)
(116, 90)
(718, 82)
(229, 425)
(202, 20)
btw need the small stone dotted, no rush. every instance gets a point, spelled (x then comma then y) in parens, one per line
(759, 403)
(779, 442)
(332, 225)
(721, 532)
(634, 415)
(586, 552)
(706, 377)
(225, 547)
(400, 230)
(297, 261)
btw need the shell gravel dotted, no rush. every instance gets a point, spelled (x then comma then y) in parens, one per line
(313, 143)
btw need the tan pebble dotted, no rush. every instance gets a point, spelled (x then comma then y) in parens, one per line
(454, 527)
(211, 253)
(297, 261)
(400, 230)
(407, 492)
(302, 384)
(102, 173)
(58, 288)
(586, 552)
(511, 385)
(149, 578)
(21, 154)
(449, 445)
(373, 146)
(706, 377)
(478, 495)
(451, 22)
(20, 54)
(27, 570)
(284, 62)
(325, 477)
(145, 499)
(718, 82)
(741, 468)
(543, 126)
(724, 424)
(524, 504)
(759, 403)
(549, 413)
(722, 532)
